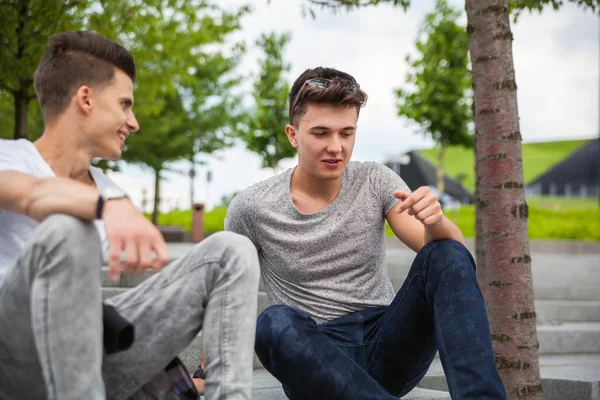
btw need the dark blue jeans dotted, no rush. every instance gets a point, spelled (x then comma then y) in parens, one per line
(383, 353)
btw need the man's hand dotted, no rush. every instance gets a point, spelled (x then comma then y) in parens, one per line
(422, 203)
(129, 231)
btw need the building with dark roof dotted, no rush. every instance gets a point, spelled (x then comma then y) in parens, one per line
(417, 171)
(577, 175)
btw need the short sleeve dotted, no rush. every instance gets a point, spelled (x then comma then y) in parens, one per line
(239, 216)
(384, 181)
(9, 157)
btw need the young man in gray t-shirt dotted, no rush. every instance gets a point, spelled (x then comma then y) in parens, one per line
(337, 330)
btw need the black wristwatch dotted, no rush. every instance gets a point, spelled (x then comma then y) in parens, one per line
(110, 193)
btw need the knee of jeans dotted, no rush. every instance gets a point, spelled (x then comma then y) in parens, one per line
(444, 255)
(68, 232)
(240, 247)
(275, 322)
(71, 242)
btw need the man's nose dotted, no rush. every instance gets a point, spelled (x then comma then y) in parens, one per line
(132, 124)
(334, 145)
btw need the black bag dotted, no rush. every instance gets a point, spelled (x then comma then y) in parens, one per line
(119, 334)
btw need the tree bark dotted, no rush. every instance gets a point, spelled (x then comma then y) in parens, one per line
(440, 169)
(21, 99)
(21, 96)
(156, 208)
(479, 253)
(502, 209)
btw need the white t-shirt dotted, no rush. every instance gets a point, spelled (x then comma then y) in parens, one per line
(15, 229)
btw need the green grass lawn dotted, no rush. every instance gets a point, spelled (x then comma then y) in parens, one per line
(537, 159)
(213, 219)
(549, 218)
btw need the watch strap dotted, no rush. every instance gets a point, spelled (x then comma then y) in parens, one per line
(99, 207)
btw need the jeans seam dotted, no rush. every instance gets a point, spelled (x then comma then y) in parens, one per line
(224, 339)
(45, 271)
(442, 347)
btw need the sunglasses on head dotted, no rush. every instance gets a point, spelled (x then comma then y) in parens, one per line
(323, 83)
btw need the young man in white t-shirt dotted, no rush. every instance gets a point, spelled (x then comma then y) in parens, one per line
(337, 330)
(51, 308)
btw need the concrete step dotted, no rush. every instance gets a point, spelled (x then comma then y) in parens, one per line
(574, 334)
(569, 338)
(552, 279)
(550, 311)
(266, 387)
(555, 276)
(564, 376)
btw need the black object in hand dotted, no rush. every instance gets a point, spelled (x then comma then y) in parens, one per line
(119, 333)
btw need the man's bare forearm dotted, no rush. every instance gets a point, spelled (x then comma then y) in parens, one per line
(40, 197)
(443, 230)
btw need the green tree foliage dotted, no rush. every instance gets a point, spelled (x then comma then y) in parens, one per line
(184, 100)
(516, 6)
(185, 68)
(519, 6)
(266, 127)
(25, 27)
(440, 79)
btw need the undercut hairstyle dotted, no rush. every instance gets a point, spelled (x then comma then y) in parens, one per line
(337, 93)
(73, 59)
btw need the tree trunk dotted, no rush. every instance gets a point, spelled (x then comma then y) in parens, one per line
(440, 169)
(274, 164)
(21, 95)
(21, 99)
(155, 210)
(502, 209)
(479, 253)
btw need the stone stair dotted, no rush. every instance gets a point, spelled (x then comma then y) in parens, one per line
(568, 315)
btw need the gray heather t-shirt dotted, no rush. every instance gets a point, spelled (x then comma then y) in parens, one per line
(330, 263)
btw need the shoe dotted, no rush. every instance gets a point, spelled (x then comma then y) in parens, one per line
(200, 373)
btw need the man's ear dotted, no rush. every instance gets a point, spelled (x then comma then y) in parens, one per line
(290, 132)
(83, 99)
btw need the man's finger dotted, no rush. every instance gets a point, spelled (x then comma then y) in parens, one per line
(145, 257)
(132, 257)
(114, 259)
(162, 254)
(407, 203)
(425, 213)
(422, 204)
(401, 194)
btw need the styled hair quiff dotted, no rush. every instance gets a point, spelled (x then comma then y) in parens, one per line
(334, 94)
(73, 59)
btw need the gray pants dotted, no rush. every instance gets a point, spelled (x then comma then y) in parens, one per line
(51, 317)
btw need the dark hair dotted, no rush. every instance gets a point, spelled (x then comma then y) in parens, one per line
(334, 94)
(73, 59)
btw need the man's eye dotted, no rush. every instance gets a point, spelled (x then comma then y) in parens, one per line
(319, 133)
(347, 134)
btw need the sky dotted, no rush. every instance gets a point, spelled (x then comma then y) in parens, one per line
(556, 56)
